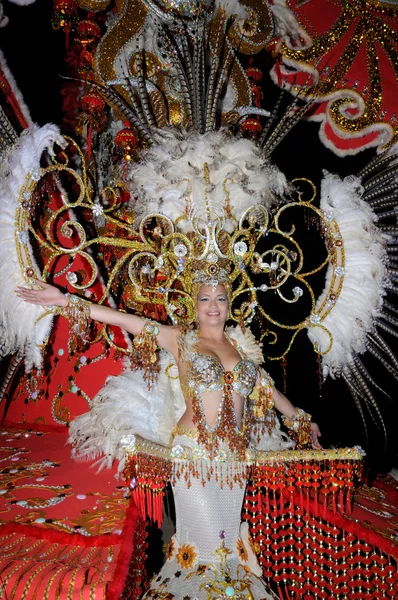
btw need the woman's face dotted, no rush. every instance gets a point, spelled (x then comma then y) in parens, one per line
(212, 306)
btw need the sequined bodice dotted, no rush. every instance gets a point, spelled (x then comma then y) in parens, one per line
(207, 374)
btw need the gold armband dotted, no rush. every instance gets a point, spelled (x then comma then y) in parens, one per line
(145, 346)
(264, 415)
(77, 312)
(300, 428)
(263, 397)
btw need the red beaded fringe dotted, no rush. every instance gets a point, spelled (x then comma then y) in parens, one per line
(148, 475)
(312, 551)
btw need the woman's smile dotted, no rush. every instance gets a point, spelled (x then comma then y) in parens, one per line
(212, 306)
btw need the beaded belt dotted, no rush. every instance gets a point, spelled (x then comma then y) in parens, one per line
(325, 474)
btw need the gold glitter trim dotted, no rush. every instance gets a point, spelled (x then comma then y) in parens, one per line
(132, 19)
(372, 31)
(139, 445)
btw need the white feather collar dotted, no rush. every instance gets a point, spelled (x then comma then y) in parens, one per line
(247, 343)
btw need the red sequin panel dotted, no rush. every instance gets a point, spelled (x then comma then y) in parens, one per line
(66, 532)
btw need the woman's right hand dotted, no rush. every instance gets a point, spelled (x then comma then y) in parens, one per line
(48, 295)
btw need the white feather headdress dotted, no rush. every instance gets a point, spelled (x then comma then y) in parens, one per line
(170, 179)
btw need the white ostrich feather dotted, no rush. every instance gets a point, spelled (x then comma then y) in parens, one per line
(287, 25)
(362, 293)
(247, 343)
(265, 441)
(19, 330)
(125, 406)
(23, 2)
(4, 20)
(170, 177)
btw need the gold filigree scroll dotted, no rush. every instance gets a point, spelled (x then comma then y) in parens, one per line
(288, 267)
(152, 264)
(364, 38)
(63, 237)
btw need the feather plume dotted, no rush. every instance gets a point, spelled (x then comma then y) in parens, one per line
(124, 406)
(19, 328)
(232, 8)
(363, 370)
(22, 2)
(360, 299)
(247, 343)
(287, 25)
(16, 91)
(347, 377)
(265, 441)
(171, 173)
(117, 101)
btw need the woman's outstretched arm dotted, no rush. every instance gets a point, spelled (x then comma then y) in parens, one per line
(49, 295)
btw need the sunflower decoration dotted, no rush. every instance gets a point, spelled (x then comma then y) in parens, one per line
(169, 549)
(186, 556)
(242, 552)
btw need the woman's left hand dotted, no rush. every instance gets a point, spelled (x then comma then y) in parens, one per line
(315, 434)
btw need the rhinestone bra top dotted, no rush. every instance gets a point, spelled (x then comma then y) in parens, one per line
(207, 374)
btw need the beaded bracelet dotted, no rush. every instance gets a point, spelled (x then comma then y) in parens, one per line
(77, 312)
(145, 346)
(300, 428)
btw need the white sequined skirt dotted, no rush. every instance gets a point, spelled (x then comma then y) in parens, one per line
(211, 554)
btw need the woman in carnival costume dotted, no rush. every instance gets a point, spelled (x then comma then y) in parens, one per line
(211, 554)
(204, 407)
(210, 426)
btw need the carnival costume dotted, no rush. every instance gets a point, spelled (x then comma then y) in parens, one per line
(204, 200)
(211, 555)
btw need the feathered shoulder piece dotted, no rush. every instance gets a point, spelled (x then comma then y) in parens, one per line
(247, 343)
(186, 341)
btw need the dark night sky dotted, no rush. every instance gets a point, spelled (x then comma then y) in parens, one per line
(35, 52)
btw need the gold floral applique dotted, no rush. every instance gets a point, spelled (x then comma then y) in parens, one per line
(254, 546)
(186, 556)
